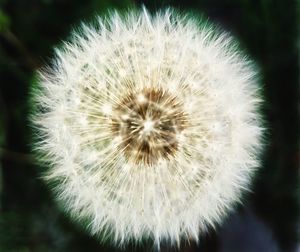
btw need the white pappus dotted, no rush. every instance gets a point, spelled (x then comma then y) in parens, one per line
(149, 125)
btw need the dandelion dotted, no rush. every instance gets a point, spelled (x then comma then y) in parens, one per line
(149, 126)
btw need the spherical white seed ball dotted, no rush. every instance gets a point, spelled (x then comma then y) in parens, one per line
(149, 125)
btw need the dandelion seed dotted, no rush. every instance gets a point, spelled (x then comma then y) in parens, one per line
(159, 133)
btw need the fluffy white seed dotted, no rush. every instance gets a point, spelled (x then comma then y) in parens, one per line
(149, 125)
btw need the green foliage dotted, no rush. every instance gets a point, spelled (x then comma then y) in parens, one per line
(4, 21)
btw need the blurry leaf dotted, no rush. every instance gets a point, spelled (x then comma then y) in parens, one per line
(4, 21)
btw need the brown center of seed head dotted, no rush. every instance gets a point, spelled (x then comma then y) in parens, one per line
(149, 123)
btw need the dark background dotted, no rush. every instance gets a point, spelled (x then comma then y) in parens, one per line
(269, 30)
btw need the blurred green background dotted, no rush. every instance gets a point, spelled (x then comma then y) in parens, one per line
(268, 29)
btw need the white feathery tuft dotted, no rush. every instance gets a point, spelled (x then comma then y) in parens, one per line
(149, 125)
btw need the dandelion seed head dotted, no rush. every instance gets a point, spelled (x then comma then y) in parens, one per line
(151, 126)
